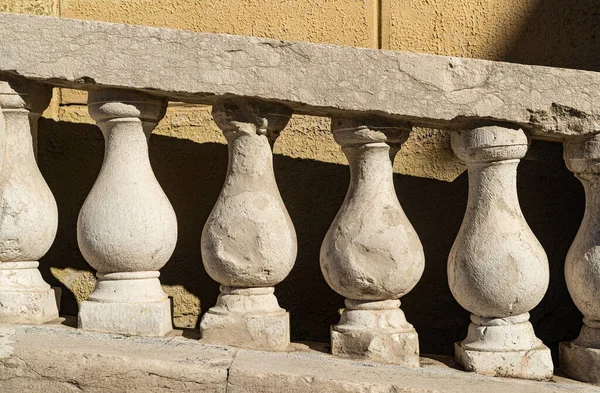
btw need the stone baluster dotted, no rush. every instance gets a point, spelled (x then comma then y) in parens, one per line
(28, 213)
(249, 241)
(371, 254)
(127, 229)
(497, 269)
(580, 358)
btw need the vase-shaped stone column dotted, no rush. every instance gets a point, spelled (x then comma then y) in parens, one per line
(249, 241)
(580, 358)
(127, 229)
(371, 254)
(497, 269)
(28, 213)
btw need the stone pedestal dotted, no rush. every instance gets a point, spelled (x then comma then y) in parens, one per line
(497, 269)
(580, 358)
(376, 331)
(127, 303)
(247, 317)
(249, 241)
(371, 254)
(127, 229)
(24, 296)
(504, 347)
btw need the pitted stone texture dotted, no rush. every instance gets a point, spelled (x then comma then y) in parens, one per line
(126, 223)
(34, 307)
(24, 295)
(152, 319)
(247, 317)
(535, 363)
(581, 357)
(375, 331)
(28, 212)
(504, 347)
(497, 269)
(248, 330)
(371, 254)
(300, 372)
(126, 228)
(376, 346)
(59, 359)
(427, 90)
(580, 362)
(249, 241)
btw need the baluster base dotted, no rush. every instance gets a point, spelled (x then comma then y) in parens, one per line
(24, 295)
(376, 331)
(247, 318)
(130, 303)
(504, 347)
(34, 307)
(580, 358)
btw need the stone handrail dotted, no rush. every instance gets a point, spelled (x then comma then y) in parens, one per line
(371, 255)
(425, 90)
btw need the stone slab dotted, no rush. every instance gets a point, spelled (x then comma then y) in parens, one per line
(141, 319)
(426, 90)
(57, 358)
(580, 362)
(312, 372)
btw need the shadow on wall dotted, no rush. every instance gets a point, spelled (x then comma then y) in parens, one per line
(192, 175)
(560, 33)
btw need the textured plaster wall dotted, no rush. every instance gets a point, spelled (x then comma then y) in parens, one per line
(189, 154)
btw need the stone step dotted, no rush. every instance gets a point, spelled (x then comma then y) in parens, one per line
(58, 358)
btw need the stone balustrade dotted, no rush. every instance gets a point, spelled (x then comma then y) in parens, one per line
(371, 255)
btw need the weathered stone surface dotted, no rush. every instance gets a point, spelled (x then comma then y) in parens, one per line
(497, 269)
(376, 343)
(249, 241)
(246, 327)
(371, 254)
(533, 363)
(58, 358)
(28, 212)
(302, 372)
(31, 303)
(126, 228)
(581, 357)
(431, 91)
(580, 361)
(151, 319)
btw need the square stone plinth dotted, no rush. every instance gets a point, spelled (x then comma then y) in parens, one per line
(35, 307)
(396, 348)
(269, 332)
(533, 364)
(151, 319)
(581, 363)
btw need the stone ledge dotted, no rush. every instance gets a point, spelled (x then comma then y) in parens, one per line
(425, 90)
(57, 358)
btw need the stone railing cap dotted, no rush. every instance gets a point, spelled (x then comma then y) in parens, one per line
(424, 90)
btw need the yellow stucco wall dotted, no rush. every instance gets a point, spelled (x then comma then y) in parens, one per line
(189, 154)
